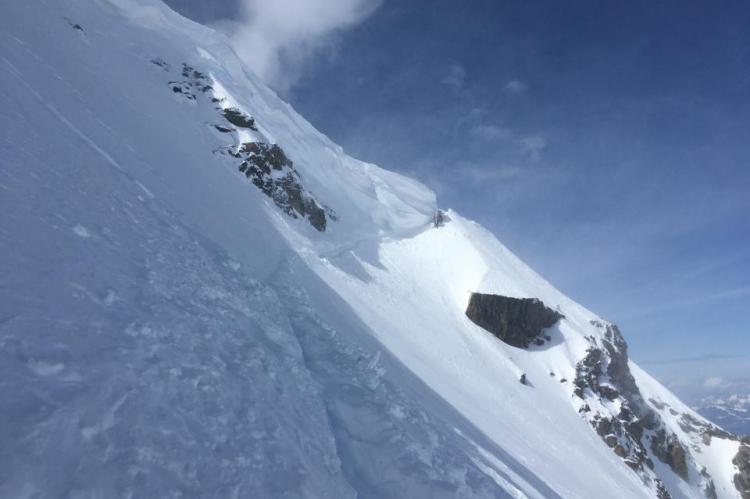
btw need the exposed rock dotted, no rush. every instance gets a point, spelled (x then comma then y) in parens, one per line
(608, 392)
(195, 82)
(742, 478)
(588, 371)
(158, 61)
(679, 459)
(223, 129)
(266, 165)
(265, 155)
(269, 169)
(618, 369)
(184, 88)
(709, 488)
(610, 361)
(604, 427)
(621, 451)
(690, 424)
(658, 404)
(239, 119)
(661, 490)
(516, 321)
(75, 26)
(523, 380)
(604, 374)
(671, 452)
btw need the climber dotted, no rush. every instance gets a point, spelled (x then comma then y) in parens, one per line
(438, 219)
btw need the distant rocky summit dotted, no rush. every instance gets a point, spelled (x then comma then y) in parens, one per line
(742, 478)
(516, 321)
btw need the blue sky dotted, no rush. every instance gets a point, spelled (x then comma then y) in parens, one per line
(606, 143)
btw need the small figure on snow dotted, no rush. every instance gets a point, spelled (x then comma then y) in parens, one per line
(438, 219)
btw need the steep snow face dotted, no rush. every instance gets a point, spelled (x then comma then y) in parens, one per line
(413, 293)
(172, 324)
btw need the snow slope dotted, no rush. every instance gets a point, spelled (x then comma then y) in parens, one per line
(166, 330)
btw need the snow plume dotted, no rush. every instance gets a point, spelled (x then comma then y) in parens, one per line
(276, 38)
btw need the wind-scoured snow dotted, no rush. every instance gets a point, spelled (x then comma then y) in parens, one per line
(167, 331)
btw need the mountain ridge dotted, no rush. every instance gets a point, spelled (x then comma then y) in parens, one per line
(172, 328)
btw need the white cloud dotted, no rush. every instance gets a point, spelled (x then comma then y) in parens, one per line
(490, 133)
(483, 173)
(533, 146)
(276, 38)
(714, 382)
(456, 76)
(515, 87)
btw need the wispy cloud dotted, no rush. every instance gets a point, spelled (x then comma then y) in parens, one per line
(533, 146)
(456, 76)
(691, 359)
(490, 133)
(482, 174)
(277, 38)
(714, 382)
(691, 302)
(681, 276)
(515, 87)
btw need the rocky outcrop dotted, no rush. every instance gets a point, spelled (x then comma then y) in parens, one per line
(709, 487)
(194, 84)
(239, 119)
(670, 451)
(516, 321)
(690, 424)
(75, 26)
(661, 490)
(604, 375)
(635, 430)
(266, 165)
(742, 478)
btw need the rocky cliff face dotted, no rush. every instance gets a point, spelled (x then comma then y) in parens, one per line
(265, 164)
(516, 321)
(611, 401)
(268, 167)
(603, 375)
(742, 478)
(635, 428)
